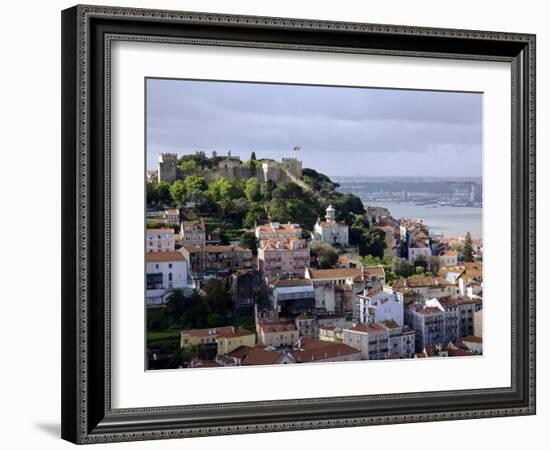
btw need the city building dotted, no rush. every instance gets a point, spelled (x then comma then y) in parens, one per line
(314, 350)
(381, 340)
(330, 230)
(164, 271)
(227, 342)
(419, 248)
(278, 231)
(336, 289)
(449, 258)
(331, 333)
(160, 240)
(216, 260)
(284, 258)
(426, 287)
(473, 344)
(375, 305)
(192, 232)
(194, 337)
(375, 275)
(246, 288)
(168, 216)
(283, 333)
(440, 321)
(306, 324)
(292, 297)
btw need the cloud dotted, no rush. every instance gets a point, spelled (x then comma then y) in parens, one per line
(332, 124)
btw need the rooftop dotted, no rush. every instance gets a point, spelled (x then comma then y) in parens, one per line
(329, 274)
(159, 231)
(164, 256)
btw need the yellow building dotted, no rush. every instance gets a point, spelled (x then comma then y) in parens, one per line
(231, 341)
(196, 337)
(278, 334)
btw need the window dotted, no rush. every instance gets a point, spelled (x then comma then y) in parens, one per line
(169, 265)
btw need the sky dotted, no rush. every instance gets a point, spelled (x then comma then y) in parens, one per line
(342, 131)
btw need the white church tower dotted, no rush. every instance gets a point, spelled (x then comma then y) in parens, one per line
(330, 230)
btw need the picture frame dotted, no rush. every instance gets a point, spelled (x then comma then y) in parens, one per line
(87, 412)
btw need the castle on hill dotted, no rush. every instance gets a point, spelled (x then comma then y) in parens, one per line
(232, 168)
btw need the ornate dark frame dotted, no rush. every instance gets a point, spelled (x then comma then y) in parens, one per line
(87, 31)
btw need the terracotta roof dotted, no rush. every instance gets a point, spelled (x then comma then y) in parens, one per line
(420, 282)
(290, 244)
(310, 343)
(419, 244)
(450, 253)
(370, 328)
(238, 333)
(239, 352)
(257, 356)
(188, 225)
(322, 274)
(283, 228)
(276, 327)
(391, 324)
(164, 256)
(374, 270)
(333, 350)
(291, 283)
(159, 231)
(205, 332)
(215, 249)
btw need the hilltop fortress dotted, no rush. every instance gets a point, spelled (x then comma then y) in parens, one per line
(232, 168)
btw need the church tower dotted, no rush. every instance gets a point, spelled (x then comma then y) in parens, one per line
(331, 214)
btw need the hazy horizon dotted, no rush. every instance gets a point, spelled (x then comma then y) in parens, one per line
(393, 132)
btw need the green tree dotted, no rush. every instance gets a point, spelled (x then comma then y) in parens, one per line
(252, 189)
(152, 198)
(325, 254)
(163, 193)
(214, 320)
(375, 242)
(176, 304)
(421, 261)
(176, 192)
(253, 156)
(190, 167)
(195, 313)
(255, 213)
(195, 183)
(249, 240)
(402, 268)
(468, 250)
(217, 297)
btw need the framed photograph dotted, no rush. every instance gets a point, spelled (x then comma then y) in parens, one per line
(282, 224)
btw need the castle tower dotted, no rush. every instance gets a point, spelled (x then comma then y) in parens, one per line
(331, 214)
(167, 167)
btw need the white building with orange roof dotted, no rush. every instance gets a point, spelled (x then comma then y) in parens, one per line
(283, 258)
(330, 230)
(160, 240)
(449, 258)
(164, 271)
